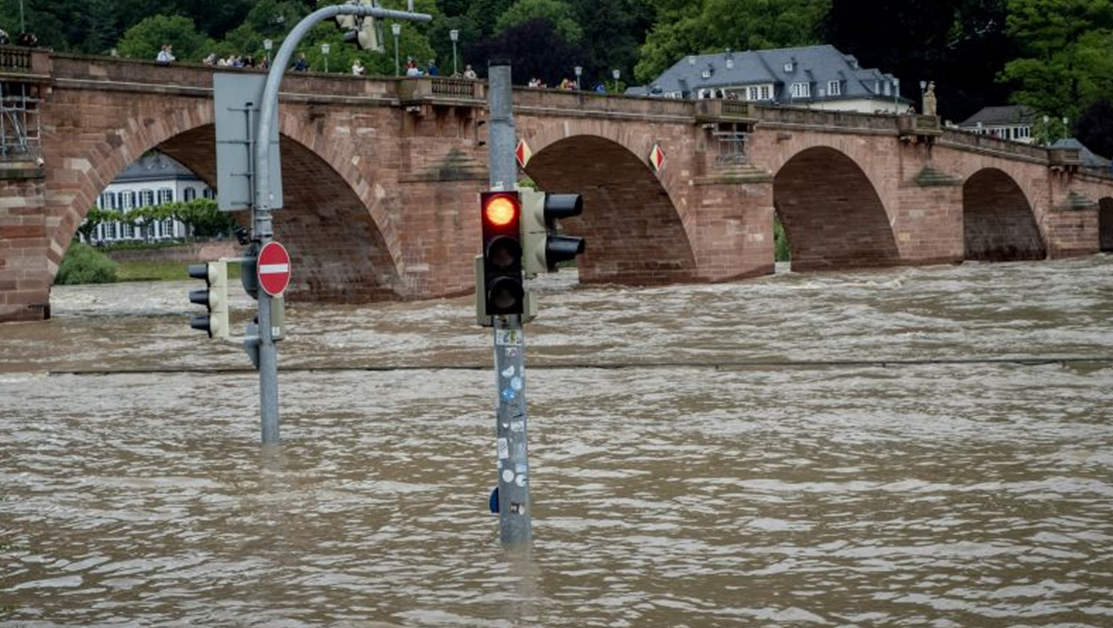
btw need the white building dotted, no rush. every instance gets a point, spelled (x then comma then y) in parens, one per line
(1013, 122)
(154, 179)
(817, 77)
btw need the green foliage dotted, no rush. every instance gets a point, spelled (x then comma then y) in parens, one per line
(555, 11)
(1066, 45)
(1095, 128)
(782, 252)
(84, 264)
(201, 216)
(145, 39)
(701, 26)
(94, 218)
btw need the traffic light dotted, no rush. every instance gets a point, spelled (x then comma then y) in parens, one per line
(214, 296)
(502, 281)
(363, 31)
(542, 247)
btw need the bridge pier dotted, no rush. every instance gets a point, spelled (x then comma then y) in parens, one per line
(25, 256)
(928, 219)
(734, 226)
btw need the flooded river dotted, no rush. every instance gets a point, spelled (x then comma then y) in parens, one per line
(910, 447)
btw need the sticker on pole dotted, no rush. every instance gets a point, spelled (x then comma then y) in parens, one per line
(274, 269)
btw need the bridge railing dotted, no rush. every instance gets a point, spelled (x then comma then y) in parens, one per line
(15, 59)
(450, 90)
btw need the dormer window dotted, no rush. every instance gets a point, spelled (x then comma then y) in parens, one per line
(834, 88)
(730, 64)
(801, 90)
(790, 66)
(708, 72)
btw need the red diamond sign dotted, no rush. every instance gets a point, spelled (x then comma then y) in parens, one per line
(523, 153)
(657, 158)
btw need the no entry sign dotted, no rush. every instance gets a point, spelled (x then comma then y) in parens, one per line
(274, 269)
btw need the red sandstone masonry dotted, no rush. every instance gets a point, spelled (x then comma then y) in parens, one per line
(381, 199)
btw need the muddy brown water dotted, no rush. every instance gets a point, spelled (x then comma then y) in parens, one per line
(911, 447)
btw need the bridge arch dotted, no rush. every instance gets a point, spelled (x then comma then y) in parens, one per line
(344, 251)
(999, 222)
(832, 213)
(636, 234)
(1105, 224)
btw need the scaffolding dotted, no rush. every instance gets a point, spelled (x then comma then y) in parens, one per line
(732, 144)
(20, 130)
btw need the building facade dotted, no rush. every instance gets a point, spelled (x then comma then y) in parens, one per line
(154, 179)
(1013, 122)
(816, 77)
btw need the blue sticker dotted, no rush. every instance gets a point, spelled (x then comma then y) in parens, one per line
(509, 394)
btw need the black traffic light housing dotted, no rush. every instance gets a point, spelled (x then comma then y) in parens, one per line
(503, 284)
(214, 297)
(543, 247)
(365, 32)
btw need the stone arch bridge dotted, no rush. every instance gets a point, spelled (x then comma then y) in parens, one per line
(381, 177)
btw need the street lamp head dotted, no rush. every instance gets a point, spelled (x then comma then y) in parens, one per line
(454, 35)
(616, 74)
(324, 49)
(396, 28)
(579, 70)
(923, 85)
(267, 45)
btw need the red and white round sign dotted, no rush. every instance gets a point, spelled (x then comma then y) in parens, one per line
(273, 269)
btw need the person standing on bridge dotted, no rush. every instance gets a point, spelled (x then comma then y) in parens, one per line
(166, 55)
(302, 64)
(357, 68)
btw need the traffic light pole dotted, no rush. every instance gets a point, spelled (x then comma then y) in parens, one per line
(515, 510)
(262, 206)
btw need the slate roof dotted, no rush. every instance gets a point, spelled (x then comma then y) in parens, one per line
(1090, 159)
(155, 166)
(1001, 115)
(816, 65)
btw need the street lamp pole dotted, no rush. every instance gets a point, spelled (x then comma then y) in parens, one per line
(454, 35)
(923, 88)
(267, 45)
(896, 96)
(579, 71)
(616, 74)
(396, 29)
(324, 51)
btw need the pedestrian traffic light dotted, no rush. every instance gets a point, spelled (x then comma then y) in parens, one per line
(364, 31)
(502, 285)
(214, 297)
(542, 247)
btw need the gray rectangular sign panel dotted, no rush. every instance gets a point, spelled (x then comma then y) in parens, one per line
(236, 98)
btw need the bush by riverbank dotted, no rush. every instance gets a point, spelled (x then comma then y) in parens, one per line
(85, 264)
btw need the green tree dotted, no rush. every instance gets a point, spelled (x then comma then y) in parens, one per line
(1095, 127)
(555, 11)
(94, 218)
(201, 217)
(700, 26)
(613, 32)
(959, 44)
(1065, 45)
(144, 40)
